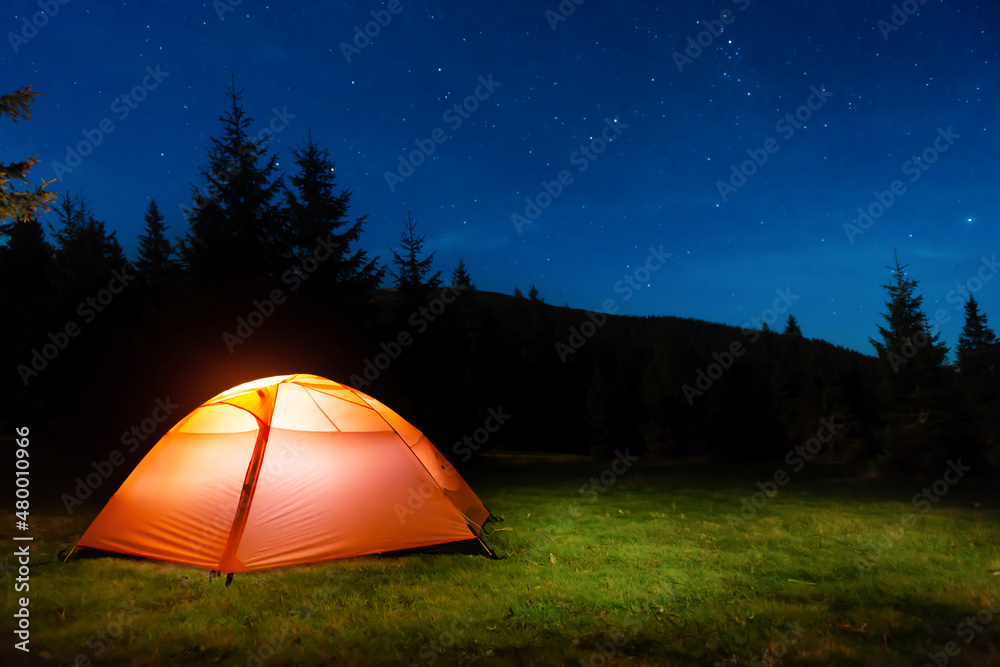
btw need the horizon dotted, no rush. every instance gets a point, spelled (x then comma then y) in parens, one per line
(557, 150)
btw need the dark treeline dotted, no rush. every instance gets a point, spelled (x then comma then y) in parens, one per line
(103, 352)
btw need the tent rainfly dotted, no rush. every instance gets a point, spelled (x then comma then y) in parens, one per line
(284, 471)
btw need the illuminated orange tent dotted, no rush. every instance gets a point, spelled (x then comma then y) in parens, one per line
(283, 471)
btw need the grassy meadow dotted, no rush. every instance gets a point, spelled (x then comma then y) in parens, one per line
(649, 565)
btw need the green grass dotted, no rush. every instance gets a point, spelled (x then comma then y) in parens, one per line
(650, 569)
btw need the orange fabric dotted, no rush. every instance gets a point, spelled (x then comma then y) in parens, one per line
(285, 471)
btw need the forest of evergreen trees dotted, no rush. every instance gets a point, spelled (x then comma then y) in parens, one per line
(268, 279)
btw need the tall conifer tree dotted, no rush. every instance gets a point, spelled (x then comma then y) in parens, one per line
(915, 377)
(238, 231)
(155, 260)
(411, 271)
(318, 222)
(18, 206)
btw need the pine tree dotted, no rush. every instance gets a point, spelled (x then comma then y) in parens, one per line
(14, 205)
(518, 294)
(908, 346)
(915, 378)
(86, 253)
(460, 277)
(410, 276)
(533, 295)
(155, 260)
(976, 344)
(978, 366)
(792, 327)
(237, 230)
(317, 220)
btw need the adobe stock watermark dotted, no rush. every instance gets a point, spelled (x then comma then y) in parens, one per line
(122, 107)
(630, 283)
(454, 116)
(776, 648)
(101, 641)
(294, 277)
(914, 168)
(696, 44)
(796, 458)
(223, 7)
(363, 36)
(464, 448)
(469, 444)
(130, 440)
(593, 488)
(918, 341)
(633, 625)
(88, 310)
(420, 320)
(273, 642)
(30, 25)
(900, 14)
(437, 646)
(923, 500)
(967, 630)
(563, 11)
(279, 121)
(786, 127)
(723, 361)
(581, 158)
(306, 605)
(974, 283)
(274, 466)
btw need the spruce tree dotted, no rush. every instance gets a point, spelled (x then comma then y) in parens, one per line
(155, 260)
(908, 347)
(978, 366)
(86, 253)
(533, 296)
(460, 277)
(318, 222)
(237, 232)
(410, 275)
(976, 344)
(915, 379)
(792, 327)
(18, 206)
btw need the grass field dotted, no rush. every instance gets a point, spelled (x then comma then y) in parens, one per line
(655, 567)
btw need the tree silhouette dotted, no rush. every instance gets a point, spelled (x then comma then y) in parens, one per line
(237, 231)
(533, 295)
(86, 253)
(978, 361)
(318, 223)
(460, 277)
(915, 379)
(411, 269)
(14, 205)
(976, 345)
(155, 261)
(907, 335)
(792, 327)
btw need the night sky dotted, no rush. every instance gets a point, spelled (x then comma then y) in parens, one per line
(886, 97)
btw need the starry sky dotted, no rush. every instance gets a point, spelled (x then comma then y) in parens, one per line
(570, 146)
